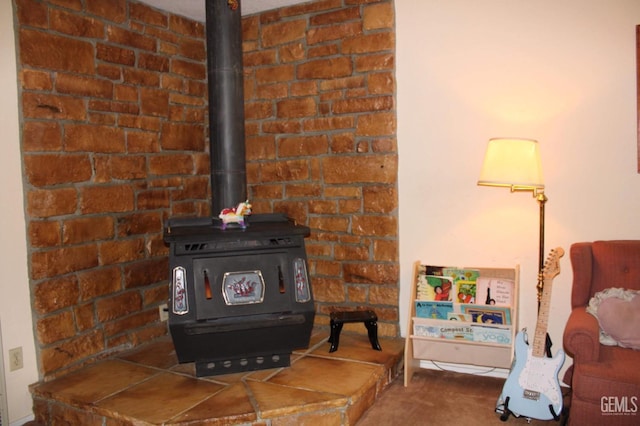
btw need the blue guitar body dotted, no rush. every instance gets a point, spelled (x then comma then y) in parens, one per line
(532, 389)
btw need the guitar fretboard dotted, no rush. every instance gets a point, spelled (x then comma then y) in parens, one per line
(551, 269)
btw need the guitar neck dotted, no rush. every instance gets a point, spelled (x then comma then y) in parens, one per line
(540, 337)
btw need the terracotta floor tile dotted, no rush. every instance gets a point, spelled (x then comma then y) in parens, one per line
(159, 399)
(330, 375)
(230, 406)
(95, 382)
(158, 354)
(274, 400)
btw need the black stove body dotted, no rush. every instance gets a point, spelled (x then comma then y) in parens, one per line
(240, 299)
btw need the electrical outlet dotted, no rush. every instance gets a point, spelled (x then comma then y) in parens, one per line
(163, 310)
(15, 359)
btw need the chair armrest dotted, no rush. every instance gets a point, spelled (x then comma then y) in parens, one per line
(581, 337)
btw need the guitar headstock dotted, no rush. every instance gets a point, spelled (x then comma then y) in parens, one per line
(552, 264)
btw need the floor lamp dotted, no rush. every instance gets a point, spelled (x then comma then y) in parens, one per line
(515, 164)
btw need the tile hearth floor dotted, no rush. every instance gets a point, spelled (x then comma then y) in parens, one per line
(147, 386)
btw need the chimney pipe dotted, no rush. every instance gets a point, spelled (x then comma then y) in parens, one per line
(226, 104)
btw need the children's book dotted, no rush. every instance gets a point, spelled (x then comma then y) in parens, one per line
(465, 291)
(434, 310)
(486, 314)
(494, 291)
(433, 287)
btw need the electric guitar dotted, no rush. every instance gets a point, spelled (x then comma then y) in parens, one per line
(532, 389)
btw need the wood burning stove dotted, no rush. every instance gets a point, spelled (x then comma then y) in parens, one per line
(240, 298)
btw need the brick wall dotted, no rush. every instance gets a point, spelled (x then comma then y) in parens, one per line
(114, 141)
(321, 143)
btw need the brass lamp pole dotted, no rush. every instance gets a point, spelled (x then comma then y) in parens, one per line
(515, 163)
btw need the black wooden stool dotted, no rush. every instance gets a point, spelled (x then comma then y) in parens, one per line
(338, 318)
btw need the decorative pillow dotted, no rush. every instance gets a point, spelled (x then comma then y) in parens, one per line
(618, 313)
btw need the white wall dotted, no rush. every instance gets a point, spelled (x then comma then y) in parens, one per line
(563, 73)
(15, 306)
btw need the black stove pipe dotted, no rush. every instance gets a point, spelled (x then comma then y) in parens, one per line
(226, 104)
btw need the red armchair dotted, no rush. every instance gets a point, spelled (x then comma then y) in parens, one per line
(605, 380)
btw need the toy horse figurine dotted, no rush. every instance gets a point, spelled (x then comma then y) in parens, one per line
(235, 215)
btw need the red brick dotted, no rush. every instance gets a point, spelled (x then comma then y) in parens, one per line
(50, 263)
(64, 354)
(378, 124)
(347, 106)
(296, 108)
(378, 16)
(129, 38)
(325, 68)
(283, 32)
(44, 233)
(148, 15)
(45, 170)
(341, 15)
(196, 70)
(302, 146)
(56, 294)
(131, 322)
(42, 105)
(74, 24)
(274, 73)
(32, 13)
(186, 26)
(368, 168)
(118, 306)
(51, 202)
(153, 62)
(335, 32)
(55, 327)
(375, 42)
(291, 170)
(380, 226)
(380, 199)
(36, 80)
(41, 136)
(144, 273)
(116, 54)
(85, 229)
(127, 167)
(183, 137)
(93, 138)
(114, 252)
(113, 10)
(99, 282)
(375, 62)
(154, 102)
(107, 198)
(49, 51)
(139, 223)
(371, 273)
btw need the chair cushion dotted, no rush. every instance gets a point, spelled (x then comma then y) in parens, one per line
(618, 313)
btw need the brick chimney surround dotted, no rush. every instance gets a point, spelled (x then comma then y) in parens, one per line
(113, 100)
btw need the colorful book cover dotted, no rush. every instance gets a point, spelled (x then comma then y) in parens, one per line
(494, 291)
(459, 274)
(432, 309)
(465, 291)
(487, 314)
(433, 287)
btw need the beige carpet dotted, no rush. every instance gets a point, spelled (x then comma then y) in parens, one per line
(443, 398)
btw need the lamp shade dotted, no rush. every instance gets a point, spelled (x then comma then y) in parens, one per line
(513, 163)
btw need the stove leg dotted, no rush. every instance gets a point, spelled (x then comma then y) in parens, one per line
(372, 329)
(334, 339)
